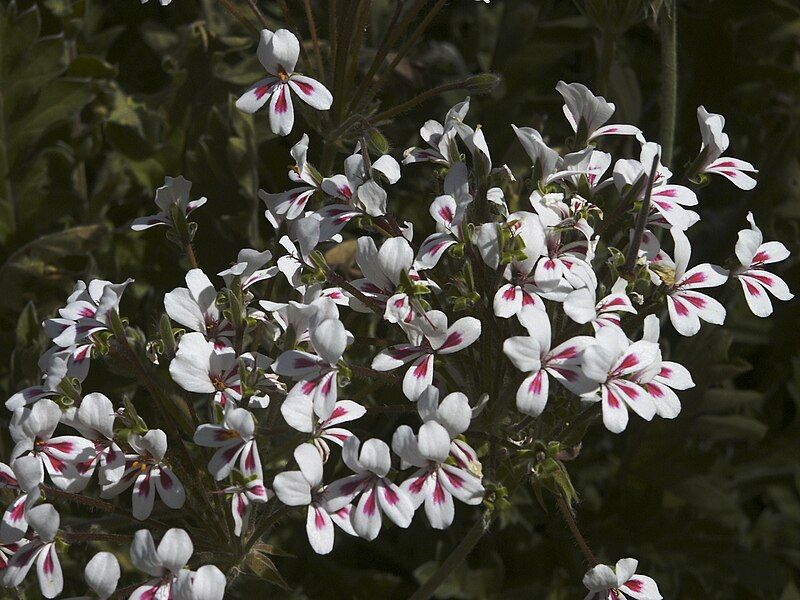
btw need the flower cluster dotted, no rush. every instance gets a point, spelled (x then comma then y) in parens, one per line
(533, 296)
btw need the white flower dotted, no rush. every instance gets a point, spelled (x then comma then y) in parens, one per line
(619, 583)
(379, 496)
(304, 488)
(589, 113)
(754, 254)
(174, 192)
(32, 429)
(234, 439)
(195, 307)
(715, 142)
(41, 549)
(148, 474)
(278, 53)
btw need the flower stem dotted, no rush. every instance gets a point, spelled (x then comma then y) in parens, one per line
(312, 28)
(669, 83)
(239, 16)
(456, 557)
(641, 222)
(259, 15)
(566, 512)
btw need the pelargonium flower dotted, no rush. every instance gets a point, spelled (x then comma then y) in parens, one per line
(441, 139)
(249, 268)
(94, 418)
(202, 368)
(234, 439)
(40, 549)
(589, 113)
(715, 142)
(291, 204)
(25, 475)
(166, 565)
(317, 373)
(149, 474)
(278, 53)
(686, 305)
(207, 583)
(174, 192)
(621, 369)
(379, 496)
(433, 338)
(620, 582)
(56, 365)
(382, 269)
(435, 482)
(532, 354)
(195, 307)
(454, 414)
(243, 495)
(754, 254)
(32, 429)
(298, 411)
(580, 306)
(304, 488)
(671, 376)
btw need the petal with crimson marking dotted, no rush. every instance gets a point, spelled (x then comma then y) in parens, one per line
(311, 91)
(439, 506)
(432, 250)
(395, 504)
(256, 96)
(281, 110)
(532, 393)
(615, 415)
(319, 529)
(459, 335)
(464, 486)
(418, 377)
(367, 518)
(48, 569)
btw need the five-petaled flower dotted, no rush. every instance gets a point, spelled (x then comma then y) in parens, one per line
(278, 52)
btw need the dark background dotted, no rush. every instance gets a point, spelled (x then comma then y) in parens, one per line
(101, 100)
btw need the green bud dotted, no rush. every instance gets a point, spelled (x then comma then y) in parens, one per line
(377, 141)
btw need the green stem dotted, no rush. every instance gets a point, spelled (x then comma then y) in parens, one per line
(312, 28)
(239, 16)
(431, 93)
(566, 512)
(641, 222)
(669, 84)
(456, 557)
(608, 42)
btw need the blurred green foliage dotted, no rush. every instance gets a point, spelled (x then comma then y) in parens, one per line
(100, 100)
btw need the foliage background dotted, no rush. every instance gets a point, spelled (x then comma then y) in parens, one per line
(101, 100)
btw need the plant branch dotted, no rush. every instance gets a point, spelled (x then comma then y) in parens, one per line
(566, 512)
(669, 79)
(229, 6)
(312, 28)
(641, 222)
(456, 557)
(259, 15)
(419, 99)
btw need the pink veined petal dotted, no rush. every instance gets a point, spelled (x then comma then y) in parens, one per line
(240, 511)
(432, 250)
(615, 415)
(615, 130)
(319, 529)
(675, 376)
(439, 506)
(418, 377)
(532, 393)
(342, 491)
(667, 404)
(641, 587)
(707, 308)
(344, 412)
(508, 300)
(395, 356)
(774, 284)
(48, 569)
(459, 335)
(367, 519)
(21, 562)
(682, 315)
(770, 252)
(703, 276)
(463, 485)
(636, 397)
(144, 494)
(256, 96)
(395, 503)
(733, 170)
(169, 488)
(678, 194)
(14, 524)
(281, 111)
(417, 486)
(757, 298)
(311, 91)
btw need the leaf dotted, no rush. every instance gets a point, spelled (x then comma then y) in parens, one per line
(731, 427)
(263, 567)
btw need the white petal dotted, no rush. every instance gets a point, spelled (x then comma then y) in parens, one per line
(319, 529)
(311, 91)
(292, 488)
(281, 111)
(102, 574)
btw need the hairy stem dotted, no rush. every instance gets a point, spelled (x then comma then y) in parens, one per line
(312, 28)
(231, 8)
(566, 512)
